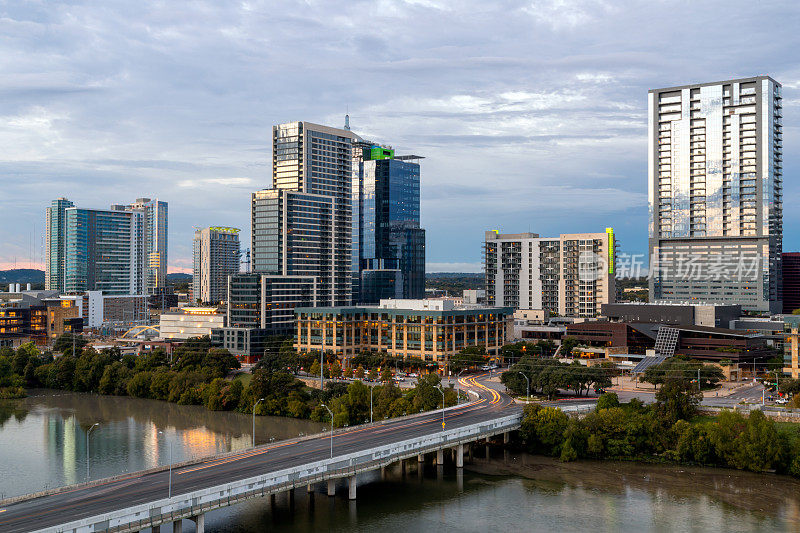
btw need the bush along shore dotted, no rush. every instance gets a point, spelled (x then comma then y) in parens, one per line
(198, 374)
(669, 430)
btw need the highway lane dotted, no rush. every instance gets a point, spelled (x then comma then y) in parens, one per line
(107, 495)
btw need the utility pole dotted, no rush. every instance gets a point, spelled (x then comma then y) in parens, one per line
(321, 371)
(442, 391)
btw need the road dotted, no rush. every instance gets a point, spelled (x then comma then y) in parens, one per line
(108, 495)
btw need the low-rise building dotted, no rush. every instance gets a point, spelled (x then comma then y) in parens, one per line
(431, 330)
(189, 322)
(38, 316)
(696, 342)
(673, 313)
(97, 308)
(791, 365)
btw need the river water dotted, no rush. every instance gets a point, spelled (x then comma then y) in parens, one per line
(43, 443)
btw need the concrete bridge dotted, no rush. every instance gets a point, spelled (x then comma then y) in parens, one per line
(159, 496)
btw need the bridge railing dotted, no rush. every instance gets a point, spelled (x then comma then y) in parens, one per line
(164, 510)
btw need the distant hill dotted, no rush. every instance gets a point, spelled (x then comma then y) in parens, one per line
(454, 282)
(22, 275)
(177, 277)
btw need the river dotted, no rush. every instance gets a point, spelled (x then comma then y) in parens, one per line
(43, 444)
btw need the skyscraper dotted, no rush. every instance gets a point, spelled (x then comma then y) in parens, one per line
(215, 255)
(715, 192)
(571, 275)
(302, 225)
(388, 244)
(121, 250)
(154, 241)
(103, 251)
(55, 244)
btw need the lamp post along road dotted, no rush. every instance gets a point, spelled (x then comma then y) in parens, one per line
(331, 413)
(370, 402)
(528, 390)
(88, 431)
(169, 493)
(442, 391)
(458, 391)
(254, 420)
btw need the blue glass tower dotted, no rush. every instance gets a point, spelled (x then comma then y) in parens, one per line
(388, 244)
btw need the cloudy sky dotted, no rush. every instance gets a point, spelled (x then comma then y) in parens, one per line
(531, 115)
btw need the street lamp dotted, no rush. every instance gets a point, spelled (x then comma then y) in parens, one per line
(528, 395)
(331, 412)
(254, 421)
(169, 493)
(458, 393)
(87, 448)
(442, 391)
(371, 388)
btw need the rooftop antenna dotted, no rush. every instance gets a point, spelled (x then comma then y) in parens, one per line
(347, 119)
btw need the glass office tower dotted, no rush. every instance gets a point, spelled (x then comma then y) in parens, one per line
(715, 175)
(388, 244)
(302, 225)
(55, 244)
(103, 251)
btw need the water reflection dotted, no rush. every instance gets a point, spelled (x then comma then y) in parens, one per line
(43, 437)
(525, 493)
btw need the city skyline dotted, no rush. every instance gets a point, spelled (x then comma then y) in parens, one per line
(551, 141)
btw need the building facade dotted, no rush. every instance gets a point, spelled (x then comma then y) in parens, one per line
(121, 250)
(56, 244)
(189, 322)
(267, 302)
(215, 256)
(302, 225)
(790, 268)
(388, 244)
(571, 275)
(103, 251)
(431, 332)
(715, 176)
(154, 240)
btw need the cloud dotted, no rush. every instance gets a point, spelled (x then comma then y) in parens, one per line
(529, 113)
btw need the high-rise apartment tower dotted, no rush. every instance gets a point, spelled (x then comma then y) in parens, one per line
(215, 256)
(571, 275)
(715, 172)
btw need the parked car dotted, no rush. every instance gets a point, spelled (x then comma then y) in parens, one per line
(781, 401)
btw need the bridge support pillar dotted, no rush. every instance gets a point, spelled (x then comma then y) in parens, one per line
(421, 458)
(310, 488)
(460, 456)
(155, 529)
(439, 456)
(351, 486)
(331, 487)
(200, 523)
(403, 467)
(177, 526)
(488, 450)
(469, 446)
(506, 437)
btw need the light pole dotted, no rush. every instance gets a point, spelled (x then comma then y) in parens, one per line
(458, 393)
(169, 493)
(88, 431)
(371, 388)
(442, 391)
(254, 421)
(528, 395)
(331, 413)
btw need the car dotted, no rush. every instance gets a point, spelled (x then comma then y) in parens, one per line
(599, 391)
(493, 367)
(486, 367)
(781, 401)
(413, 375)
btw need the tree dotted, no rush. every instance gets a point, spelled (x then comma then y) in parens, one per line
(373, 374)
(359, 373)
(64, 342)
(386, 375)
(677, 400)
(567, 344)
(607, 400)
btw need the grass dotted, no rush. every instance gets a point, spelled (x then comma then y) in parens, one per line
(244, 377)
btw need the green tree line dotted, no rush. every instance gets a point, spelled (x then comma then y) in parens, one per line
(667, 430)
